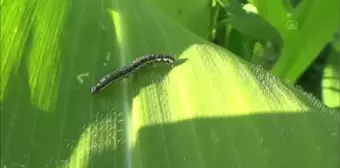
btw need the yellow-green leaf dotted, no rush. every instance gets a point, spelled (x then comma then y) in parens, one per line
(212, 110)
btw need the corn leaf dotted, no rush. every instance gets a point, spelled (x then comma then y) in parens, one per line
(212, 109)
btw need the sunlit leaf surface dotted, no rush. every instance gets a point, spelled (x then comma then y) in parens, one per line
(211, 110)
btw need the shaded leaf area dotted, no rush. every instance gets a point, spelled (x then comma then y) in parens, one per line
(265, 140)
(252, 25)
(311, 79)
(208, 106)
(331, 80)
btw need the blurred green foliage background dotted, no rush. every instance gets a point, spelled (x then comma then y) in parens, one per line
(297, 40)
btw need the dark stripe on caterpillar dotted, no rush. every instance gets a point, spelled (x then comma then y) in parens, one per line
(129, 69)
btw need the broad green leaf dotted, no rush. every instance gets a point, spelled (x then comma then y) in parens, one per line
(195, 15)
(212, 110)
(274, 12)
(310, 28)
(252, 25)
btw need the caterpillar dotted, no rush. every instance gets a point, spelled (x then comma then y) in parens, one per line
(130, 69)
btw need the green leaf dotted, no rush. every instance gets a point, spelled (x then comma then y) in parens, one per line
(331, 81)
(274, 12)
(310, 28)
(194, 15)
(252, 25)
(212, 110)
